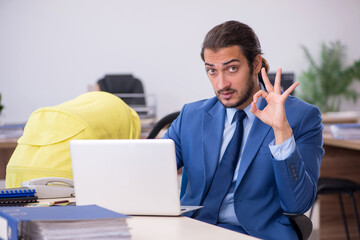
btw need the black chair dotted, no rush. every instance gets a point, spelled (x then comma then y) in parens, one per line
(129, 87)
(287, 79)
(162, 123)
(301, 223)
(339, 186)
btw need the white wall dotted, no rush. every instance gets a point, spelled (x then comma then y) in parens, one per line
(51, 50)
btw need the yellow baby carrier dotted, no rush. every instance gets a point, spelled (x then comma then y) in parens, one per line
(43, 150)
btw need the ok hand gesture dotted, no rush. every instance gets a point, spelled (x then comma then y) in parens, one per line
(274, 113)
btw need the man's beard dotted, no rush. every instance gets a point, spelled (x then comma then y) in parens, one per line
(245, 94)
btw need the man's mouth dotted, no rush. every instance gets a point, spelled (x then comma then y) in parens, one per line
(226, 94)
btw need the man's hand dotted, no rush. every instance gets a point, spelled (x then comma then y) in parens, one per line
(274, 113)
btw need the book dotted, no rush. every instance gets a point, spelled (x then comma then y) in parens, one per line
(346, 131)
(62, 222)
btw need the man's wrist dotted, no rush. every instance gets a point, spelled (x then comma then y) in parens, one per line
(282, 135)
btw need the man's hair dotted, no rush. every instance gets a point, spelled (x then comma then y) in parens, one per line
(233, 33)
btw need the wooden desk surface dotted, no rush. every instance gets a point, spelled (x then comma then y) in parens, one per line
(341, 160)
(349, 144)
(8, 142)
(341, 117)
(7, 147)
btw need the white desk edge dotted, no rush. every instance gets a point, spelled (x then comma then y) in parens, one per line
(174, 228)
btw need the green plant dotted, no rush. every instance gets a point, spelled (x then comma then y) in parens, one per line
(324, 84)
(1, 106)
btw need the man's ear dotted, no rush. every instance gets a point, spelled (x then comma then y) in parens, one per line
(257, 63)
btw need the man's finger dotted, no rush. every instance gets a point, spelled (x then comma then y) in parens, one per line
(254, 109)
(290, 89)
(277, 83)
(260, 93)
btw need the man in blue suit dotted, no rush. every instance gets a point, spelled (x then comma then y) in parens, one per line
(277, 162)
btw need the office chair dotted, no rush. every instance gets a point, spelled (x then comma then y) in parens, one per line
(339, 186)
(287, 79)
(124, 84)
(301, 223)
(162, 123)
(131, 91)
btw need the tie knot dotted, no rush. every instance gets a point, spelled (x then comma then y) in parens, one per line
(239, 116)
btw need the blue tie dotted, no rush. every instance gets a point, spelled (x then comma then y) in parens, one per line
(223, 175)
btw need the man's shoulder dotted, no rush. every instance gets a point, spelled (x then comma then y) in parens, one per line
(202, 104)
(298, 110)
(297, 104)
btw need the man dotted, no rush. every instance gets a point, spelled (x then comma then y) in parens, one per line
(277, 164)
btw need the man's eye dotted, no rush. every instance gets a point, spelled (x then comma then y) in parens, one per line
(211, 71)
(233, 69)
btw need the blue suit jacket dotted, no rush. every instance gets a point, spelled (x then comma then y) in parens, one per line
(265, 187)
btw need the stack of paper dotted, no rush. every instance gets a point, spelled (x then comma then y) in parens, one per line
(60, 223)
(11, 130)
(83, 229)
(346, 131)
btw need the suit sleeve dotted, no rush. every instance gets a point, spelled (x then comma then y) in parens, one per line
(174, 133)
(296, 177)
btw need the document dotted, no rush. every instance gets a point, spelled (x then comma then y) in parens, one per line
(346, 131)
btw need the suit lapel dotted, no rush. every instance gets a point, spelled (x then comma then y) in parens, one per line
(253, 143)
(212, 137)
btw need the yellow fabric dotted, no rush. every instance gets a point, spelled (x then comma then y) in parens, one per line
(43, 150)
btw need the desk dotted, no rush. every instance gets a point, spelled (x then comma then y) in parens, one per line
(174, 228)
(342, 160)
(178, 228)
(7, 147)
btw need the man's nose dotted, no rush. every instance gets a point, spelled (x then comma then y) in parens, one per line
(222, 82)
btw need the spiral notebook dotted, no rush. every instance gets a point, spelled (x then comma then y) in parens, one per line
(134, 177)
(17, 196)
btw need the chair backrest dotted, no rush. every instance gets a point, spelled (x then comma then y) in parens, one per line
(302, 225)
(287, 79)
(162, 123)
(124, 84)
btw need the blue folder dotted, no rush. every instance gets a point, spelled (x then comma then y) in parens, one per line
(12, 216)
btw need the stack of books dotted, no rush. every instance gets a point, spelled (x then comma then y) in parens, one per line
(346, 131)
(63, 222)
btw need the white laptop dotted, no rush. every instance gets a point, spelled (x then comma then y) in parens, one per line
(134, 177)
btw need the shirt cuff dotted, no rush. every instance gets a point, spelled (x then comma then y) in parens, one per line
(283, 150)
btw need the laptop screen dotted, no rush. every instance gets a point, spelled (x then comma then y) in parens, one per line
(136, 177)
